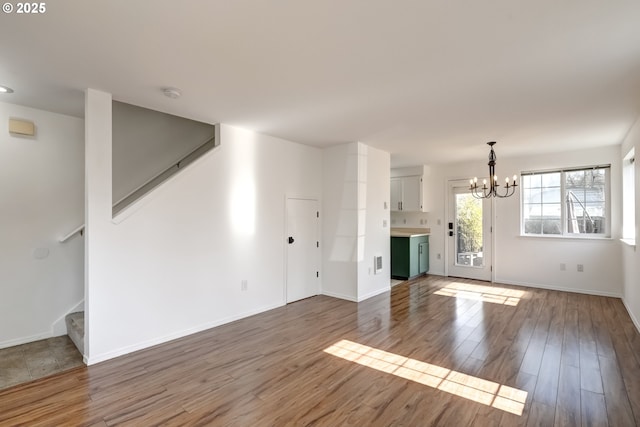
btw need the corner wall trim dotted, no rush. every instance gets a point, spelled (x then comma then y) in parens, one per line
(374, 293)
(339, 296)
(633, 318)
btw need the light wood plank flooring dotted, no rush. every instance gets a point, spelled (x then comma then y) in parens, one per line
(433, 351)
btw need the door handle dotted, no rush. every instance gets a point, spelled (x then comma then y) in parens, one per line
(291, 240)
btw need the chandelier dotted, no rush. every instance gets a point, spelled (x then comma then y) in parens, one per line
(491, 190)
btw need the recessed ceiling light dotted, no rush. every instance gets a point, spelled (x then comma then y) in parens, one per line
(5, 89)
(172, 92)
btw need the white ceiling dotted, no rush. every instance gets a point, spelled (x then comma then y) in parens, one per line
(429, 81)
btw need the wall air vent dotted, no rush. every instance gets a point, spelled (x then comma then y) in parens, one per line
(377, 264)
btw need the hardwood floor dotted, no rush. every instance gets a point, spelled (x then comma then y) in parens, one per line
(433, 351)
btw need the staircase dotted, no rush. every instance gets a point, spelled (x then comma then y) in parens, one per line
(75, 329)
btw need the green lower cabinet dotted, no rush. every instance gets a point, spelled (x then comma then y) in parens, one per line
(423, 256)
(409, 256)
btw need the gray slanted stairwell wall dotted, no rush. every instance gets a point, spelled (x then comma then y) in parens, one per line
(147, 187)
(149, 147)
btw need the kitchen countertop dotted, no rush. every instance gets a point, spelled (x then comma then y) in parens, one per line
(409, 232)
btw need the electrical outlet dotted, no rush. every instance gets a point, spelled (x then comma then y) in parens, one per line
(385, 206)
(439, 256)
(438, 222)
(563, 267)
(384, 223)
(580, 268)
(404, 221)
(422, 222)
(244, 285)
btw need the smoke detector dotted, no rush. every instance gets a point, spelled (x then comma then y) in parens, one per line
(172, 92)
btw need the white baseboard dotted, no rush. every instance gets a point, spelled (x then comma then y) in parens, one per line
(92, 360)
(560, 288)
(374, 293)
(339, 296)
(58, 328)
(633, 317)
(31, 338)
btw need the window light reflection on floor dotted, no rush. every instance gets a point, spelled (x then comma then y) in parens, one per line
(489, 393)
(492, 294)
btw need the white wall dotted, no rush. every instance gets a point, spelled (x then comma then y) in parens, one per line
(175, 265)
(355, 189)
(529, 260)
(630, 255)
(373, 221)
(340, 221)
(41, 199)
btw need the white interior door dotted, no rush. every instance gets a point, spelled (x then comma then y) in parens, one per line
(302, 249)
(468, 234)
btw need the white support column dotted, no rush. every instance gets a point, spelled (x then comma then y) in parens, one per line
(97, 204)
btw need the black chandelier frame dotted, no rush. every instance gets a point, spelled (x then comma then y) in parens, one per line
(492, 189)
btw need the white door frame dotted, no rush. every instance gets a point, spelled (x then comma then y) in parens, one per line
(286, 244)
(449, 184)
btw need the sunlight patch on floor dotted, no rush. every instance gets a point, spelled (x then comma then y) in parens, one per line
(492, 294)
(488, 393)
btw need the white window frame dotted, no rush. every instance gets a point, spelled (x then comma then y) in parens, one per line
(629, 198)
(563, 215)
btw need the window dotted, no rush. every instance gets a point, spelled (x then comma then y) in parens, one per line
(629, 197)
(566, 202)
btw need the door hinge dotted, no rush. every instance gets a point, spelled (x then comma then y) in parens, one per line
(317, 244)
(491, 229)
(491, 268)
(317, 274)
(317, 214)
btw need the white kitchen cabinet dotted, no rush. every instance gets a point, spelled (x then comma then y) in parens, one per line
(406, 194)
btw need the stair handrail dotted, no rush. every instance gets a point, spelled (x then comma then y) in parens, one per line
(175, 165)
(184, 161)
(78, 230)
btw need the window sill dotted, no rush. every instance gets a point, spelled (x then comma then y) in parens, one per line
(566, 237)
(629, 242)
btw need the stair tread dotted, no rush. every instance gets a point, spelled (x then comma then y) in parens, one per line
(75, 328)
(76, 319)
